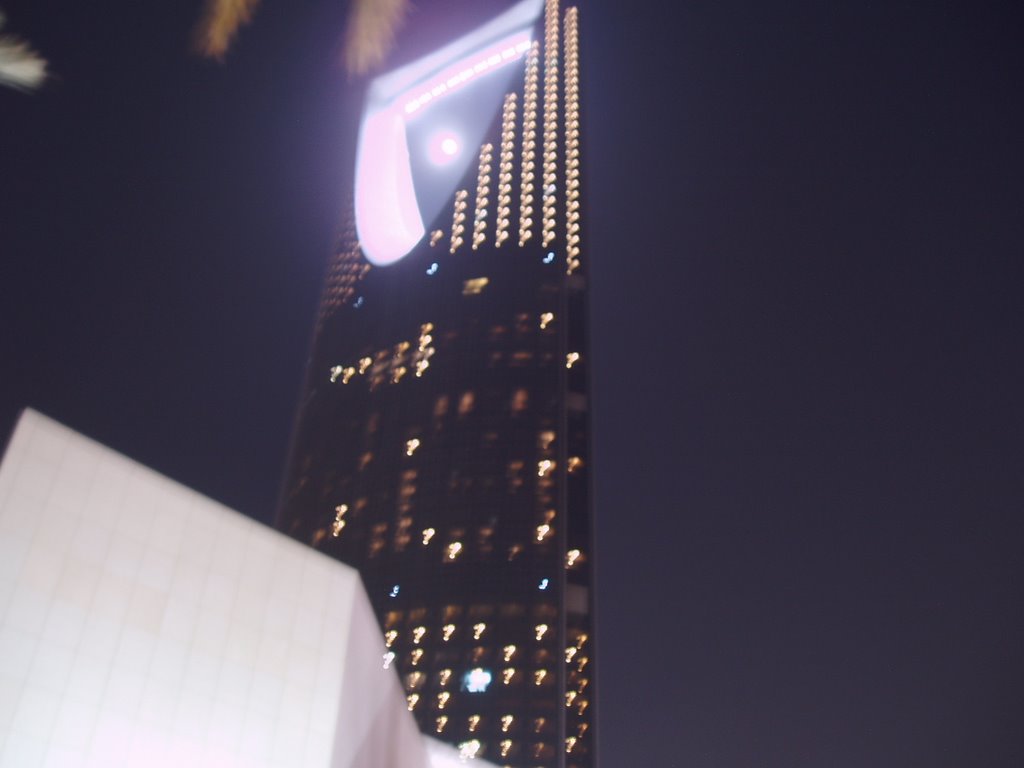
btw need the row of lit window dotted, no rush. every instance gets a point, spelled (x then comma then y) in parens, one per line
(448, 631)
(458, 219)
(572, 140)
(391, 364)
(473, 748)
(529, 150)
(483, 190)
(550, 145)
(454, 549)
(475, 613)
(508, 137)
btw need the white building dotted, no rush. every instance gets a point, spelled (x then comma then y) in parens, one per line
(142, 624)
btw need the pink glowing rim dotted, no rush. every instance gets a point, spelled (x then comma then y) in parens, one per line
(388, 219)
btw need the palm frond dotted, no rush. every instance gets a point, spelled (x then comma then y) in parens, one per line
(219, 25)
(372, 25)
(20, 66)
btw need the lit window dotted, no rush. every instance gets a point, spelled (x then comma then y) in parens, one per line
(520, 400)
(443, 677)
(472, 722)
(394, 591)
(365, 363)
(574, 463)
(571, 557)
(581, 706)
(466, 403)
(442, 699)
(539, 675)
(428, 534)
(388, 658)
(412, 699)
(581, 662)
(454, 549)
(538, 724)
(412, 445)
(478, 630)
(508, 652)
(440, 723)
(507, 675)
(545, 439)
(571, 359)
(476, 680)
(447, 631)
(544, 467)
(414, 680)
(506, 722)
(389, 637)
(440, 406)
(339, 523)
(543, 584)
(540, 630)
(335, 373)
(581, 640)
(417, 634)
(506, 746)
(570, 743)
(543, 531)
(415, 656)
(513, 551)
(546, 318)
(570, 697)
(569, 653)
(474, 286)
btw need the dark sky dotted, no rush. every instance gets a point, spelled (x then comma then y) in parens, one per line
(806, 233)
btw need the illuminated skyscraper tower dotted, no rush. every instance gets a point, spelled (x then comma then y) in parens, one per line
(443, 441)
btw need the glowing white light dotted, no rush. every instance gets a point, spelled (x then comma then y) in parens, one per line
(444, 148)
(394, 591)
(543, 584)
(476, 680)
(469, 749)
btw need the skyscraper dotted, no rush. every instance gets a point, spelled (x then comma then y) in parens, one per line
(442, 445)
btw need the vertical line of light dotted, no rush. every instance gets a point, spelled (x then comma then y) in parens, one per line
(572, 140)
(529, 145)
(483, 189)
(550, 165)
(508, 139)
(458, 219)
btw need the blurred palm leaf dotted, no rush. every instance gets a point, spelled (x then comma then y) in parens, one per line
(220, 23)
(372, 25)
(20, 66)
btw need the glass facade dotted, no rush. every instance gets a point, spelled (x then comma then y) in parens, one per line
(442, 445)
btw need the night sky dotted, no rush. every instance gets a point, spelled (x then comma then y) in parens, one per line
(805, 224)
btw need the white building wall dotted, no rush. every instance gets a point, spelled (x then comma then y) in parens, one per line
(142, 624)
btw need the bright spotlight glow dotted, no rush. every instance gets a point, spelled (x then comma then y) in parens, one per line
(444, 148)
